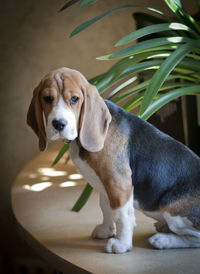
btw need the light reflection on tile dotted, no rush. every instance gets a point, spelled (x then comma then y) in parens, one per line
(32, 175)
(44, 178)
(76, 176)
(68, 184)
(38, 187)
(51, 172)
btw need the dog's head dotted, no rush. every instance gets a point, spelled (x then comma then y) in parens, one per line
(66, 106)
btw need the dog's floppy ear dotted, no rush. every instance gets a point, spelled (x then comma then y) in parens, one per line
(94, 120)
(35, 119)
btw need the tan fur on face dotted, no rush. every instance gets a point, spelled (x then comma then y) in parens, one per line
(64, 82)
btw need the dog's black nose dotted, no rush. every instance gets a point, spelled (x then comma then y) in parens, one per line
(59, 124)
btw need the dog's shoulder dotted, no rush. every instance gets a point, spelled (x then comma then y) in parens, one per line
(136, 128)
(143, 136)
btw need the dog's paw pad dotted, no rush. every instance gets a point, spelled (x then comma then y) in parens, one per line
(117, 246)
(161, 240)
(103, 232)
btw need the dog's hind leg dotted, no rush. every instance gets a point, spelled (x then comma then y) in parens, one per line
(161, 224)
(171, 240)
(162, 227)
(184, 234)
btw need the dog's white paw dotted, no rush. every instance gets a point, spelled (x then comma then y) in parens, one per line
(117, 246)
(103, 232)
(162, 240)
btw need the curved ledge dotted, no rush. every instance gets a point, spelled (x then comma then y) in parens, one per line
(42, 199)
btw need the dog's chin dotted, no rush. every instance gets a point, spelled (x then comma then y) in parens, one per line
(66, 140)
(59, 136)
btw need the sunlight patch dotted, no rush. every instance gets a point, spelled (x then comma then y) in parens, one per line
(38, 187)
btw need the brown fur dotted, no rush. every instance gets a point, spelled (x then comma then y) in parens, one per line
(185, 207)
(111, 166)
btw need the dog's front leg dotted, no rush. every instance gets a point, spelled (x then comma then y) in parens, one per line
(124, 219)
(107, 229)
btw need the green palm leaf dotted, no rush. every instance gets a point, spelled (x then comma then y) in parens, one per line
(167, 66)
(148, 45)
(85, 3)
(99, 17)
(68, 4)
(124, 85)
(144, 85)
(63, 150)
(134, 102)
(138, 67)
(166, 98)
(82, 200)
(184, 17)
(154, 29)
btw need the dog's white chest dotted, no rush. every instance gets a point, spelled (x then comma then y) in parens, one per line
(82, 167)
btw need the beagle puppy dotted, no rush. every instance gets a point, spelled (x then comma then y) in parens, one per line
(129, 161)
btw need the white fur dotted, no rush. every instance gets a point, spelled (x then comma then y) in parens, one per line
(108, 228)
(170, 240)
(120, 221)
(62, 111)
(124, 219)
(88, 173)
(184, 234)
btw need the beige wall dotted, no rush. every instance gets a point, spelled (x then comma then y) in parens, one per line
(34, 40)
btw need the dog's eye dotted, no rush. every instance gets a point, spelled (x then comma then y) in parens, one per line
(48, 99)
(73, 100)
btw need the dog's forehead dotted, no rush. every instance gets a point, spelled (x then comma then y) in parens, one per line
(71, 80)
(64, 80)
(48, 82)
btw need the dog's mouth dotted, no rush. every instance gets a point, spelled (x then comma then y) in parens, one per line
(59, 136)
(66, 139)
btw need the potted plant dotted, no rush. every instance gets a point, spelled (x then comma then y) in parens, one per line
(175, 54)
